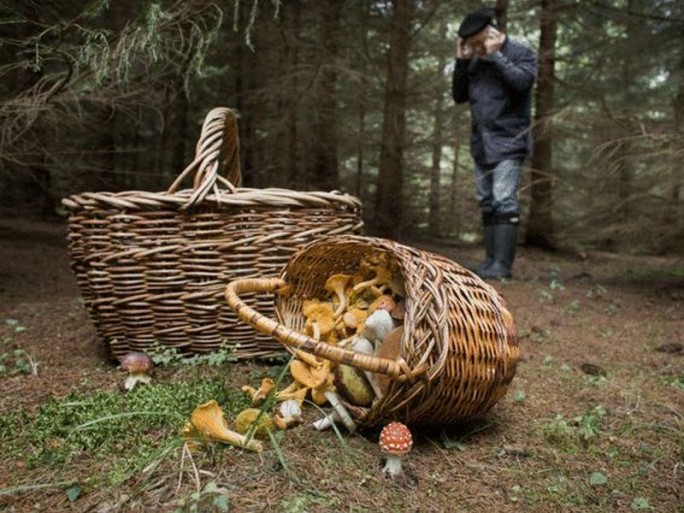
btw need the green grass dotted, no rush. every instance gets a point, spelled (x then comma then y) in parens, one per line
(111, 425)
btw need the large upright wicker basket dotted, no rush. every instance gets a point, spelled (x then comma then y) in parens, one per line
(459, 349)
(152, 266)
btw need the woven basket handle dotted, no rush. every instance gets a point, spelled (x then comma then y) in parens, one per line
(397, 369)
(219, 133)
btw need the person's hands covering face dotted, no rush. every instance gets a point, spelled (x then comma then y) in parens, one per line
(463, 51)
(492, 41)
(482, 44)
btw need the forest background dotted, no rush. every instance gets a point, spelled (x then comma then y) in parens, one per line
(351, 95)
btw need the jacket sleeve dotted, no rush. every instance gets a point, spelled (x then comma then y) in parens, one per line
(459, 85)
(518, 71)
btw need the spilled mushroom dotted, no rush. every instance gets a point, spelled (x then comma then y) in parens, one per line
(289, 414)
(208, 423)
(258, 396)
(254, 419)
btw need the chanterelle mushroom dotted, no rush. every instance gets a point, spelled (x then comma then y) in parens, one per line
(207, 422)
(336, 284)
(259, 395)
(395, 442)
(138, 365)
(319, 318)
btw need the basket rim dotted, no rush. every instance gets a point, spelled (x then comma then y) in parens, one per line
(242, 197)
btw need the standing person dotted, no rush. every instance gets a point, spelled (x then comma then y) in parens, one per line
(495, 74)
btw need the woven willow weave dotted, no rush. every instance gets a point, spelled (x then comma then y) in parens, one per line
(459, 350)
(152, 266)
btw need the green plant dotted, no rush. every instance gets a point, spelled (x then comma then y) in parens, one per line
(167, 356)
(581, 429)
(210, 499)
(589, 423)
(14, 362)
(13, 359)
(105, 424)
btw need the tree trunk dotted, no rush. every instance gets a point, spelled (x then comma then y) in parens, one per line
(389, 201)
(454, 214)
(540, 229)
(434, 217)
(325, 164)
(175, 132)
(245, 104)
(362, 99)
(501, 12)
(290, 101)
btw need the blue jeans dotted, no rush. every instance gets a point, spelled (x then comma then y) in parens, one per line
(496, 189)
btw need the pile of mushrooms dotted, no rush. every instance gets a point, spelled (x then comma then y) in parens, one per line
(363, 312)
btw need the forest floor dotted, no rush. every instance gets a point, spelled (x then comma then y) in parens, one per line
(608, 436)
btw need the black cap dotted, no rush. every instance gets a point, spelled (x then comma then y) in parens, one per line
(475, 21)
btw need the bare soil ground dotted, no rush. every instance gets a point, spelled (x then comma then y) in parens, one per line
(564, 438)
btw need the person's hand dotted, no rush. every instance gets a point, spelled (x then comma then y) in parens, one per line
(463, 51)
(492, 41)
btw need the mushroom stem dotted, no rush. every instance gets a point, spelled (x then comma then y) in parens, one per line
(238, 440)
(339, 408)
(392, 466)
(366, 284)
(134, 378)
(326, 421)
(341, 307)
(362, 345)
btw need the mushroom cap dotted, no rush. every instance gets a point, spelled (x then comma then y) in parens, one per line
(396, 439)
(390, 349)
(253, 417)
(337, 281)
(320, 313)
(383, 302)
(352, 385)
(399, 311)
(136, 361)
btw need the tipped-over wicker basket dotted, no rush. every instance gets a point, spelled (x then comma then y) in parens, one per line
(152, 266)
(459, 349)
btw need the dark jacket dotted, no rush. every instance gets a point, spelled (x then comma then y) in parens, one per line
(499, 91)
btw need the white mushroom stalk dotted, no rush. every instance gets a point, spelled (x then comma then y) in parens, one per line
(339, 414)
(363, 346)
(378, 325)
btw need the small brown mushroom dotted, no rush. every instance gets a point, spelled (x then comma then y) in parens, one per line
(139, 366)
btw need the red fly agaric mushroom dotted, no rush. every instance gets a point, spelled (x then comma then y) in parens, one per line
(138, 365)
(395, 441)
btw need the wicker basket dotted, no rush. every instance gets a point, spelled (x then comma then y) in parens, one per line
(152, 266)
(460, 347)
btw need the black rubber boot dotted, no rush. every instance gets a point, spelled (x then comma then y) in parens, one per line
(489, 249)
(488, 231)
(505, 246)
